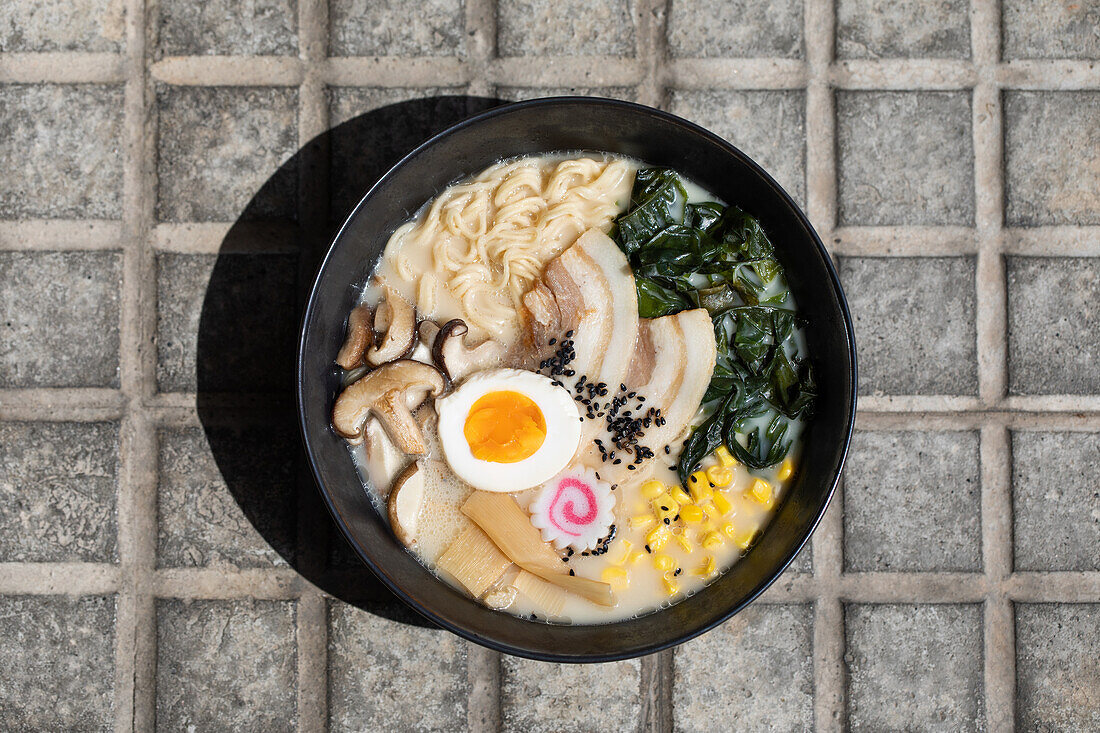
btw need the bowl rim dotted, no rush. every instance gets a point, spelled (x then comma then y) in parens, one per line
(810, 527)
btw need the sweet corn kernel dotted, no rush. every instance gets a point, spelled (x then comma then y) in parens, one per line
(761, 491)
(679, 495)
(719, 475)
(712, 511)
(700, 490)
(722, 503)
(652, 489)
(622, 552)
(786, 469)
(725, 457)
(657, 537)
(664, 563)
(708, 568)
(642, 521)
(685, 543)
(671, 586)
(616, 576)
(635, 557)
(699, 477)
(665, 507)
(712, 540)
(728, 529)
(745, 540)
(691, 514)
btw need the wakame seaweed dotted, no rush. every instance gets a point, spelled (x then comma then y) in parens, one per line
(705, 255)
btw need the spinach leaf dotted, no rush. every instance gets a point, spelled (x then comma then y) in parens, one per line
(705, 255)
(766, 446)
(704, 439)
(658, 201)
(703, 216)
(654, 300)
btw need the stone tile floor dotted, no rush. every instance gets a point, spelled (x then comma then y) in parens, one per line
(171, 170)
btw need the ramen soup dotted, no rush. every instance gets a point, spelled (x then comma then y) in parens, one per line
(575, 386)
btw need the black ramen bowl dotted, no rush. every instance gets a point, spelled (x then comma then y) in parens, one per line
(656, 138)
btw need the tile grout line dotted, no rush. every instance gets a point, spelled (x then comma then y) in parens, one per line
(819, 31)
(992, 365)
(311, 614)
(656, 679)
(481, 48)
(135, 671)
(483, 665)
(912, 74)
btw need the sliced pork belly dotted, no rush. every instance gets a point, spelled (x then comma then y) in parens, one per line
(672, 368)
(587, 289)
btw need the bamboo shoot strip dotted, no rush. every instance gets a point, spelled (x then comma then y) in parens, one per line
(474, 561)
(510, 528)
(546, 596)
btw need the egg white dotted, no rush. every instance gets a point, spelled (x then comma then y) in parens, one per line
(563, 430)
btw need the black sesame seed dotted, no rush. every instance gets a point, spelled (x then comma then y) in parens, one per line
(597, 475)
(666, 521)
(571, 571)
(667, 450)
(569, 334)
(694, 480)
(678, 571)
(648, 550)
(630, 467)
(565, 559)
(553, 341)
(664, 508)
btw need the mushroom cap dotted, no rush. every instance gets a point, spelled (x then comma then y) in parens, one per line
(396, 317)
(385, 392)
(404, 503)
(455, 358)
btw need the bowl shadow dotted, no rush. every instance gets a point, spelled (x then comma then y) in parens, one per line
(248, 330)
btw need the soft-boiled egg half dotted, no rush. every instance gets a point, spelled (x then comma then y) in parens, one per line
(507, 429)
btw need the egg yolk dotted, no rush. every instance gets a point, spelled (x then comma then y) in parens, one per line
(504, 427)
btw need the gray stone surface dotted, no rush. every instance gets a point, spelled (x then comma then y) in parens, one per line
(1057, 668)
(915, 323)
(217, 145)
(59, 316)
(565, 28)
(754, 672)
(904, 158)
(62, 150)
(58, 483)
(396, 28)
(226, 665)
(912, 502)
(389, 675)
(1053, 325)
(1039, 29)
(536, 697)
(1052, 158)
(872, 29)
(227, 27)
(61, 25)
(735, 28)
(226, 323)
(769, 126)
(515, 94)
(914, 667)
(58, 670)
(216, 510)
(1056, 497)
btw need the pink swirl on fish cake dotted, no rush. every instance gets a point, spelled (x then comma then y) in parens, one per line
(574, 509)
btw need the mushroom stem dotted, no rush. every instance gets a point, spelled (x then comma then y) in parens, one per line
(385, 393)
